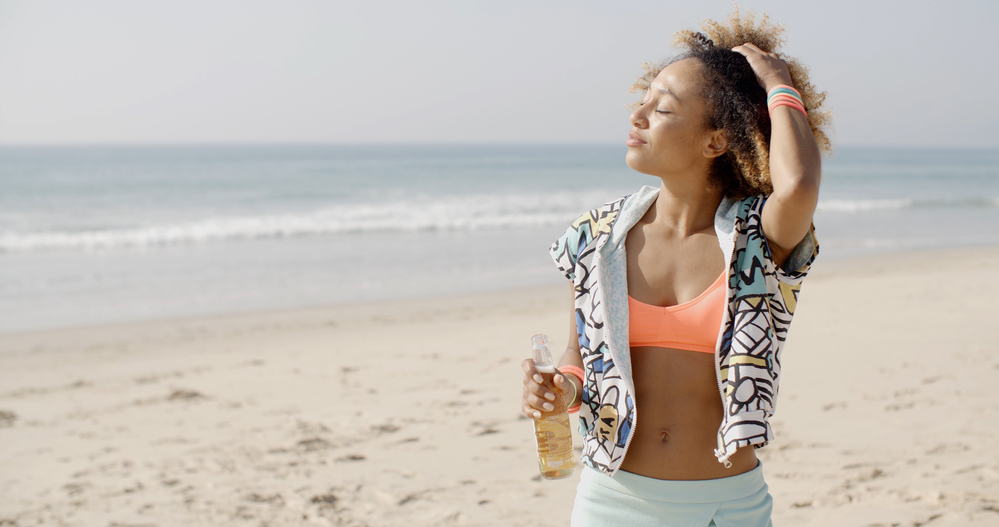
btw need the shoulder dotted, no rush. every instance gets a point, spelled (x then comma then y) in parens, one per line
(598, 220)
(581, 233)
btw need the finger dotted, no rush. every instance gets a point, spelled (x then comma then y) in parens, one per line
(742, 50)
(527, 365)
(533, 386)
(531, 405)
(753, 47)
(544, 405)
(531, 372)
(541, 391)
(539, 404)
(538, 394)
(563, 383)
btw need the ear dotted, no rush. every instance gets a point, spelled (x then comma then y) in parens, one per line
(716, 145)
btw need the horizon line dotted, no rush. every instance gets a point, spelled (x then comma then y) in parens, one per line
(161, 144)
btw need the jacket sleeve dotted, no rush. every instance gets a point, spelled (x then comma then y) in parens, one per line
(802, 256)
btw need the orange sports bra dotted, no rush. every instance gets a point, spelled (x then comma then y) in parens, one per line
(692, 325)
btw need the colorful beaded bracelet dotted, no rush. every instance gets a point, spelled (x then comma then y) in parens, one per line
(784, 88)
(785, 100)
(784, 95)
(578, 373)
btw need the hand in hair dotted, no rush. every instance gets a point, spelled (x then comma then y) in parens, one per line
(794, 162)
(769, 68)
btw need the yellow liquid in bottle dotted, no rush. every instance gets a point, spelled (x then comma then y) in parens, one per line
(556, 459)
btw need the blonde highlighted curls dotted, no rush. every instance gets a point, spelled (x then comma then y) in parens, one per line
(738, 102)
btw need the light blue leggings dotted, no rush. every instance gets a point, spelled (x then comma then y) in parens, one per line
(630, 500)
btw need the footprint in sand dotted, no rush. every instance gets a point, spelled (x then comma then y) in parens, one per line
(185, 395)
(325, 501)
(386, 428)
(948, 448)
(273, 499)
(313, 444)
(7, 418)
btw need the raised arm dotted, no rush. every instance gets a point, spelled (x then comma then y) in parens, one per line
(795, 165)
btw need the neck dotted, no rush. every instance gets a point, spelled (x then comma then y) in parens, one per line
(685, 207)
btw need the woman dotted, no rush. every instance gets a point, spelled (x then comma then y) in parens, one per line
(683, 294)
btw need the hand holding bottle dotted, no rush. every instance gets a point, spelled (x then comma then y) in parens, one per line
(540, 393)
(551, 415)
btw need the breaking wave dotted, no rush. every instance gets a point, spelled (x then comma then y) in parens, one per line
(865, 205)
(441, 214)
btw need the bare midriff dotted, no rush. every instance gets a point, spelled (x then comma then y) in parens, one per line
(679, 411)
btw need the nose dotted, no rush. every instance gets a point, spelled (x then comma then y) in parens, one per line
(638, 118)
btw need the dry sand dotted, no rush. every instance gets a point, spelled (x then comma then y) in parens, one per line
(407, 413)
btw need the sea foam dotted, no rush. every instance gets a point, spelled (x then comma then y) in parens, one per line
(470, 212)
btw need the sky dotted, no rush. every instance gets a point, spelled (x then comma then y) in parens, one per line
(914, 73)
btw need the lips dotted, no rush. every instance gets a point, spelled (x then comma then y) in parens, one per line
(634, 140)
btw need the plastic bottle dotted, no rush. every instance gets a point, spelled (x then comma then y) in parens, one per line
(555, 456)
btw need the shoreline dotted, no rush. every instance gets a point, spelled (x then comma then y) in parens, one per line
(880, 261)
(407, 412)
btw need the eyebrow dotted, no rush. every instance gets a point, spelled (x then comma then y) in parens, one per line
(667, 92)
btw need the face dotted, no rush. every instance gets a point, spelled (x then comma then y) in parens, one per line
(669, 134)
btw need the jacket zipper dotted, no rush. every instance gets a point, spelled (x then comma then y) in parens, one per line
(728, 285)
(629, 384)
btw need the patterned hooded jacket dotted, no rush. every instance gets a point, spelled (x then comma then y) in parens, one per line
(761, 299)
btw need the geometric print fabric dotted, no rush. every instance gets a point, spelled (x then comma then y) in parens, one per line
(761, 299)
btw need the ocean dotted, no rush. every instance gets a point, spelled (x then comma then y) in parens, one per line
(103, 234)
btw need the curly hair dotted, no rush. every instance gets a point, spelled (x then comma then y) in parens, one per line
(736, 101)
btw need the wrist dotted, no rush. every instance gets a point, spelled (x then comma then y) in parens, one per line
(575, 391)
(774, 82)
(574, 376)
(785, 95)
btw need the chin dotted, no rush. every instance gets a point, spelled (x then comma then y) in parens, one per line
(635, 162)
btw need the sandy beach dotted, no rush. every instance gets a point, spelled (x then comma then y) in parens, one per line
(407, 413)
